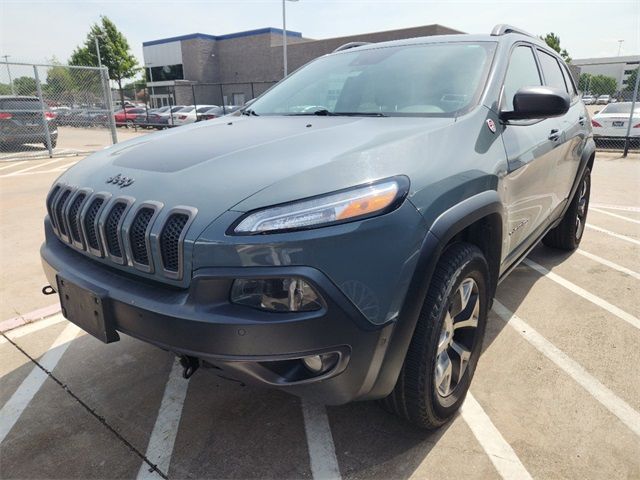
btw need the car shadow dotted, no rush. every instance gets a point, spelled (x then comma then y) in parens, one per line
(13, 148)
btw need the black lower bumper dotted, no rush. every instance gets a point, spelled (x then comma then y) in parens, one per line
(250, 345)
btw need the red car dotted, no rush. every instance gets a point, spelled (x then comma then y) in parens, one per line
(128, 116)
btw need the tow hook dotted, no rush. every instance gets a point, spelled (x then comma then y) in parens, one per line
(189, 365)
(48, 290)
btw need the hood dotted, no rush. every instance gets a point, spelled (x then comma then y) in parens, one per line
(217, 165)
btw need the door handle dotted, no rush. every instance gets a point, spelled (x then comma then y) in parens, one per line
(554, 134)
(582, 119)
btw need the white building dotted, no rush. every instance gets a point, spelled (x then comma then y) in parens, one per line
(617, 67)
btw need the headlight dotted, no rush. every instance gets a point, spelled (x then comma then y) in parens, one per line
(339, 207)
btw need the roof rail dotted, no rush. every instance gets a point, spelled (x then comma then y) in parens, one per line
(349, 45)
(503, 29)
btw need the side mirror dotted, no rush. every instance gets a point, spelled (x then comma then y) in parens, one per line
(538, 102)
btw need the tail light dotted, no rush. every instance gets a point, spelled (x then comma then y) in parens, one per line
(635, 126)
(595, 124)
(5, 116)
(182, 117)
(49, 115)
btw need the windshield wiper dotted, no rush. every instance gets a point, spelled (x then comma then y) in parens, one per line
(325, 112)
(248, 112)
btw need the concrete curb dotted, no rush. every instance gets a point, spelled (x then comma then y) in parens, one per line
(36, 315)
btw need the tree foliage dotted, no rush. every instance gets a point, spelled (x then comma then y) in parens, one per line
(25, 86)
(597, 84)
(631, 80)
(114, 51)
(553, 41)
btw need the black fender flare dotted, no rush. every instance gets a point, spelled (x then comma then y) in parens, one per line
(588, 153)
(444, 228)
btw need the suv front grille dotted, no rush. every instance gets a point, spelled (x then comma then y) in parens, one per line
(170, 241)
(112, 232)
(138, 235)
(90, 225)
(115, 230)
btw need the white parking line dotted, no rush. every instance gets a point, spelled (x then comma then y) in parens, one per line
(613, 234)
(623, 208)
(32, 327)
(14, 407)
(165, 430)
(322, 452)
(618, 312)
(42, 164)
(615, 215)
(602, 394)
(13, 164)
(492, 442)
(609, 264)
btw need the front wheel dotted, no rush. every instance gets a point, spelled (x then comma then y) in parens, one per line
(568, 234)
(447, 342)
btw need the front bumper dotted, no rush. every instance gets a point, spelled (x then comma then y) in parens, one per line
(252, 346)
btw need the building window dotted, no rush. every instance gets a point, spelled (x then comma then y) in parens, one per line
(238, 99)
(162, 74)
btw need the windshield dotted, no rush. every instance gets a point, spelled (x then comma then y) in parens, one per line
(438, 79)
(624, 107)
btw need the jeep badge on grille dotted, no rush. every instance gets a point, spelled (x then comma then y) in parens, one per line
(120, 180)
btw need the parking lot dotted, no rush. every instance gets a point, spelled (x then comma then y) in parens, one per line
(556, 393)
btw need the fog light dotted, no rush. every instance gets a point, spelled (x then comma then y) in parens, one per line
(321, 363)
(289, 294)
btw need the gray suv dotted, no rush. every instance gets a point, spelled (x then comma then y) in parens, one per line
(343, 236)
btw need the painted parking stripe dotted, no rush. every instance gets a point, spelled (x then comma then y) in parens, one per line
(623, 208)
(613, 234)
(322, 452)
(31, 328)
(615, 215)
(11, 411)
(618, 312)
(13, 164)
(498, 450)
(609, 263)
(165, 430)
(621, 409)
(42, 164)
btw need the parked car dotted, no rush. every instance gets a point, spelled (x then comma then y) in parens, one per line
(128, 116)
(337, 239)
(189, 114)
(90, 118)
(169, 115)
(21, 121)
(153, 119)
(613, 120)
(603, 99)
(589, 99)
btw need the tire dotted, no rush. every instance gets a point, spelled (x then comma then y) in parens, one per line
(567, 235)
(54, 143)
(129, 124)
(420, 394)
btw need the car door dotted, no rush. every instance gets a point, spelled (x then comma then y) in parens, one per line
(533, 149)
(571, 129)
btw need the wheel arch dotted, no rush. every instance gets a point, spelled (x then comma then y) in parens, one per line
(477, 220)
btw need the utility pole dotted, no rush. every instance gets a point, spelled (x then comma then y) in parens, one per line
(620, 46)
(6, 61)
(284, 34)
(98, 52)
(633, 106)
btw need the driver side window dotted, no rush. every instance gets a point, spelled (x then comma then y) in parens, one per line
(522, 72)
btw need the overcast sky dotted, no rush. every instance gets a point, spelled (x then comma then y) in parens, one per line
(34, 31)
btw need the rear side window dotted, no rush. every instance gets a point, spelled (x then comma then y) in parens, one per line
(522, 72)
(569, 81)
(28, 104)
(552, 73)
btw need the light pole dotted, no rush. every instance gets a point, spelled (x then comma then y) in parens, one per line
(6, 61)
(284, 33)
(620, 46)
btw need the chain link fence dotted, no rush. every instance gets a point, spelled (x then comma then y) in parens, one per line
(615, 118)
(48, 110)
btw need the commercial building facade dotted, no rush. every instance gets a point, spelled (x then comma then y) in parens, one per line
(230, 69)
(619, 68)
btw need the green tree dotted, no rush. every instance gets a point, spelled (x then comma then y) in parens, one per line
(603, 85)
(584, 82)
(631, 80)
(5, 89)
(25, 86)
(114, 51)
(59, 80)
(553, 41)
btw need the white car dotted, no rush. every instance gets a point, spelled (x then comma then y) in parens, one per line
(589, 99)
(613, 121)
(189, 114)
(603, 99)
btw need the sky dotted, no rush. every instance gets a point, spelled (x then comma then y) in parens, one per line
(38, 30)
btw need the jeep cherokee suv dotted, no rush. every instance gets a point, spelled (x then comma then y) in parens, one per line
(342, 237)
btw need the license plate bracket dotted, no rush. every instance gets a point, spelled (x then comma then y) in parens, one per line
(618, 124)
(87, 309)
